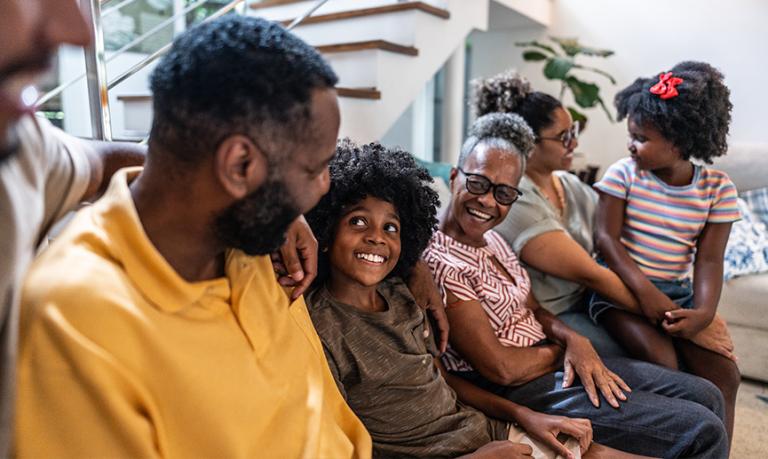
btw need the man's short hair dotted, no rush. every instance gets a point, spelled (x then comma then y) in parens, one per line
(235, 75)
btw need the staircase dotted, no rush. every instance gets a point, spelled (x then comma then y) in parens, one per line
(384, 51)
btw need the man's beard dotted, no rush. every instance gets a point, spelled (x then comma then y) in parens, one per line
(257, 223)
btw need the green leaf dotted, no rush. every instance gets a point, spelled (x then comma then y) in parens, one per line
(598, 71)
(572, 47)
(585, 94)
(536, 44)
(532, 56)
(605, 109)
(557, 68)
(578, 116)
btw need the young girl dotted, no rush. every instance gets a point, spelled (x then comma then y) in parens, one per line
(663, 221)
(371, 227)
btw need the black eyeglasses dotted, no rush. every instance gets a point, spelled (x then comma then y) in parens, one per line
(480, 184)
(567, 137)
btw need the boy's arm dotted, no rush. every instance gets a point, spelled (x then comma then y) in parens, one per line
(543, 427)
(609, 222)
(707, 283)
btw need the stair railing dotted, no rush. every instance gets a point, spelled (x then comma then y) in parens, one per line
(95, 59)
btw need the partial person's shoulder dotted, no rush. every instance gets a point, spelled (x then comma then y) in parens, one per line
(714, 178)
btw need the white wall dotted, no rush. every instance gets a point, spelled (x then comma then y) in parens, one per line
(649, 36)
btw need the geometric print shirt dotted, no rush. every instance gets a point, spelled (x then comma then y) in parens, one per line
(470, 274)
(662, 223)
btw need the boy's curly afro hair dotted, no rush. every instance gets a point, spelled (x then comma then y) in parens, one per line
(696, 121)
(389, 174)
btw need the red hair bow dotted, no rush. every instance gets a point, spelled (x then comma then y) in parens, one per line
(665, 88)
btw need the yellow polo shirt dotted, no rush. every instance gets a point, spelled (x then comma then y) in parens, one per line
(121, 357)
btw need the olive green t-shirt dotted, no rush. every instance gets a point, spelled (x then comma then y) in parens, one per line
(384, 364)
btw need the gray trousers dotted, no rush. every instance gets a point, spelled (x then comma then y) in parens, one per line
(668, 414)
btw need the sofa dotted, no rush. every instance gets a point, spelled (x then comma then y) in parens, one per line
(744, 301)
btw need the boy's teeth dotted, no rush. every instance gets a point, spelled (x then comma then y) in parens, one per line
(371, 257)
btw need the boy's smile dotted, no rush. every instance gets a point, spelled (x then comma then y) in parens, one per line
(366, 247)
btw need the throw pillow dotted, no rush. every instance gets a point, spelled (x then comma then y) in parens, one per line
(758, 202)
(747, 249)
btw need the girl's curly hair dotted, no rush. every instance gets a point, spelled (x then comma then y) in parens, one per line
(389, 174)
(696, 121)
(509, 92)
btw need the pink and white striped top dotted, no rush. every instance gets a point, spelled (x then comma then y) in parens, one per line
(470, 274)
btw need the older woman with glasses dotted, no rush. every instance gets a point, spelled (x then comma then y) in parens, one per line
(503, 341)
(551, 228)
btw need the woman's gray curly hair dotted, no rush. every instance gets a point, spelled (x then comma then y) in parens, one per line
(506, 131)
(500, 93)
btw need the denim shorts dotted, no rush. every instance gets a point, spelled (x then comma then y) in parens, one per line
(679, 291)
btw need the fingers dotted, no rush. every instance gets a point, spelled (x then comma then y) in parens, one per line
(568, 374)
(604, 384)
(308, 256)
(673, 328)
(554, 444)
(620, 382)
(578, 430)
(676, 314)
(589, 386)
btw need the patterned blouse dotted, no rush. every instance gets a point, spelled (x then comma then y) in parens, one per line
(470, 274)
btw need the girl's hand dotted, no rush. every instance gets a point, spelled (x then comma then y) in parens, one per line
(716, 338)
(686, 323)
(546, 428)
(581, 358)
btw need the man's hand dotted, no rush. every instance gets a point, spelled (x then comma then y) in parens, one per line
(502, 449)
(424, 291)
(581, 358)
(296, 261)
(716, 338)
(686, 323)
(546, 428)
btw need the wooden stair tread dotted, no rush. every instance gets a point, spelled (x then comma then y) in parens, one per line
(373, 11)
(271, 3)
(370, 44)
(353, 93)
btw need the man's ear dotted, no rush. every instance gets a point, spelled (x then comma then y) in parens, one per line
(241, 166)
(452, 177)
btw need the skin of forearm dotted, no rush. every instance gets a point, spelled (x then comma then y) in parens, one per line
(519, 365)
(620, 262)
(608, 284)
(490, 404)
(554, 328)
(707, 285)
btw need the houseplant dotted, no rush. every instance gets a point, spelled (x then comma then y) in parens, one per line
(559, 65)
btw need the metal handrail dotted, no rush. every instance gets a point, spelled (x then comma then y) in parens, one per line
(117, 7)
(160, 52)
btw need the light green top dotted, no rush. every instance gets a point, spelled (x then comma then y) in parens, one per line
(534, 215)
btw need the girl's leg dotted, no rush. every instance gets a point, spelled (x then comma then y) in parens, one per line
(641, 340)
(719, 370)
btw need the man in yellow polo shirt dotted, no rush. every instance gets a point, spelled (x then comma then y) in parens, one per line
(154, 326)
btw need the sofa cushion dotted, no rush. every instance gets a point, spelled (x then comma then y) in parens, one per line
(747, 249)
(745, 164)
(745, 301)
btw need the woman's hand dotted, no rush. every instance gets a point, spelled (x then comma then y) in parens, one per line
(716, 338)
(581, 358)
(546, 428)
(425, 292)
(655, 305)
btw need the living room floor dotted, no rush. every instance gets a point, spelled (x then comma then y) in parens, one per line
(751, 430)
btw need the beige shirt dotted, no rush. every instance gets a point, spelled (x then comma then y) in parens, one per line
(38, 185)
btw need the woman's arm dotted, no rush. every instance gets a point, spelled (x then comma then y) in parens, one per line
(543, 427)
(707, 283)
(609, 222)
(557, 254)
(472, 336)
